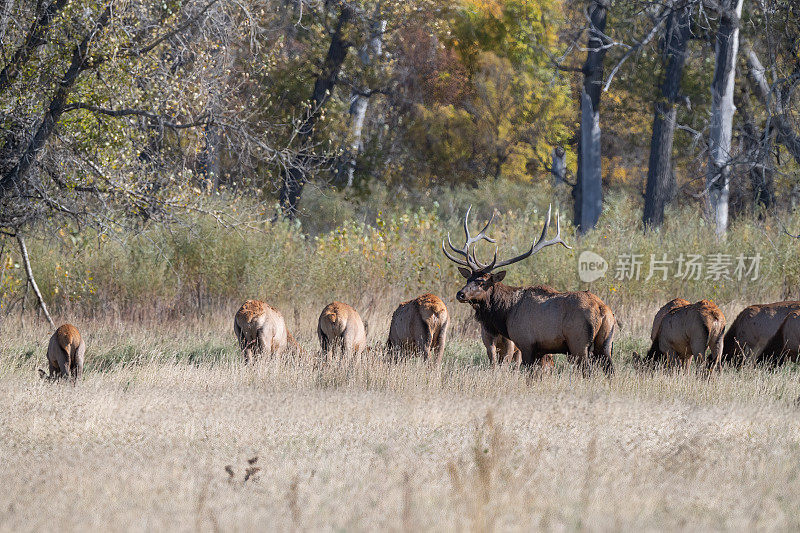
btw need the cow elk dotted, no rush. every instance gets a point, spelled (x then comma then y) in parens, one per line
(341, 329)
(65, 353)
(500, 349)
(753, 328)
(539, 320)
(669, 306)
(784, 345)
(420, 325)
(686, 332)
(260, 329)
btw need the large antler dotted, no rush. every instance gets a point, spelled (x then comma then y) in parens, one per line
(469, 258)
(535, 247)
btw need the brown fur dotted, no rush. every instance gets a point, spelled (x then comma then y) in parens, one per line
(689, 331)
(540, 320)
(669, 306)
(65, 353)
(340, 328)
(785, 344)
(421, 325)
(753, 328)
(260, 329)
(500, 349)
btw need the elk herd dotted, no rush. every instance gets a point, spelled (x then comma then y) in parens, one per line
(519, 325)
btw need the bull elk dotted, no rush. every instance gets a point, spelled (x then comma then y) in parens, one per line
(539, 320)
(421, 325)
(65, 353)
(260, 329)
(340, 328)
(784, 345)
(753, 328)
(687, 331)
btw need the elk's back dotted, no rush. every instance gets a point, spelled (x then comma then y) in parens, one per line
(669, 306)
(337, 318)
(547, 321)
(255, 315)
(688, 326)
(426, 311)
(758, 323)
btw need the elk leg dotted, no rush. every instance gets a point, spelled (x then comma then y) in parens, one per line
(426, 342)
(262, 344)
(63, 364)
(547, 363)
(488, 342)
(528, 356)
(79, 360)
(579, 354)
(441, 341)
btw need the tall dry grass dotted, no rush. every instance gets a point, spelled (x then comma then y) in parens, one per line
(170, 431)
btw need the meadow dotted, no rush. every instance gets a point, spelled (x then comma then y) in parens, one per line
(169, 430)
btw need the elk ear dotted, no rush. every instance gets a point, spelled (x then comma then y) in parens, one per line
(497, 277)
(467, 273)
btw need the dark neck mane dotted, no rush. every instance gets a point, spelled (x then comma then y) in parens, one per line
(493, 314)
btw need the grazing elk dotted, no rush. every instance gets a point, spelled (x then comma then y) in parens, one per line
(65, 353)
(784, 345)
(260, 328)
(500, 349)
(420, 324)
(340, 328)
(539, 320)
(752, 328)
(669, 306)
(689, 331)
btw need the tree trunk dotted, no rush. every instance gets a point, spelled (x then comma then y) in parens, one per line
(559, 166)
(757, 147)
(29, 273)
(15, 176)
(722, 110)
(786, 134)
(588, 192)
(360, 101)
(296, 175)
(660, 177)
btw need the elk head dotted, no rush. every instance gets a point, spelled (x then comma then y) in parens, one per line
(481, 278)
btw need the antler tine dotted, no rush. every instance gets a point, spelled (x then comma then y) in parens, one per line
(452, 258)
(538, 245)
(487, 267)
(482, 234)
(557, 240)
(469, 258)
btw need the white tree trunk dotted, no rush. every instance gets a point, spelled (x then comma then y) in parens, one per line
(786, 134)
(29, 273)
(591, 192)
(722, 110)
(359, 102)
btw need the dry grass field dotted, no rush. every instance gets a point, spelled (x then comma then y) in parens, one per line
(159, 435)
